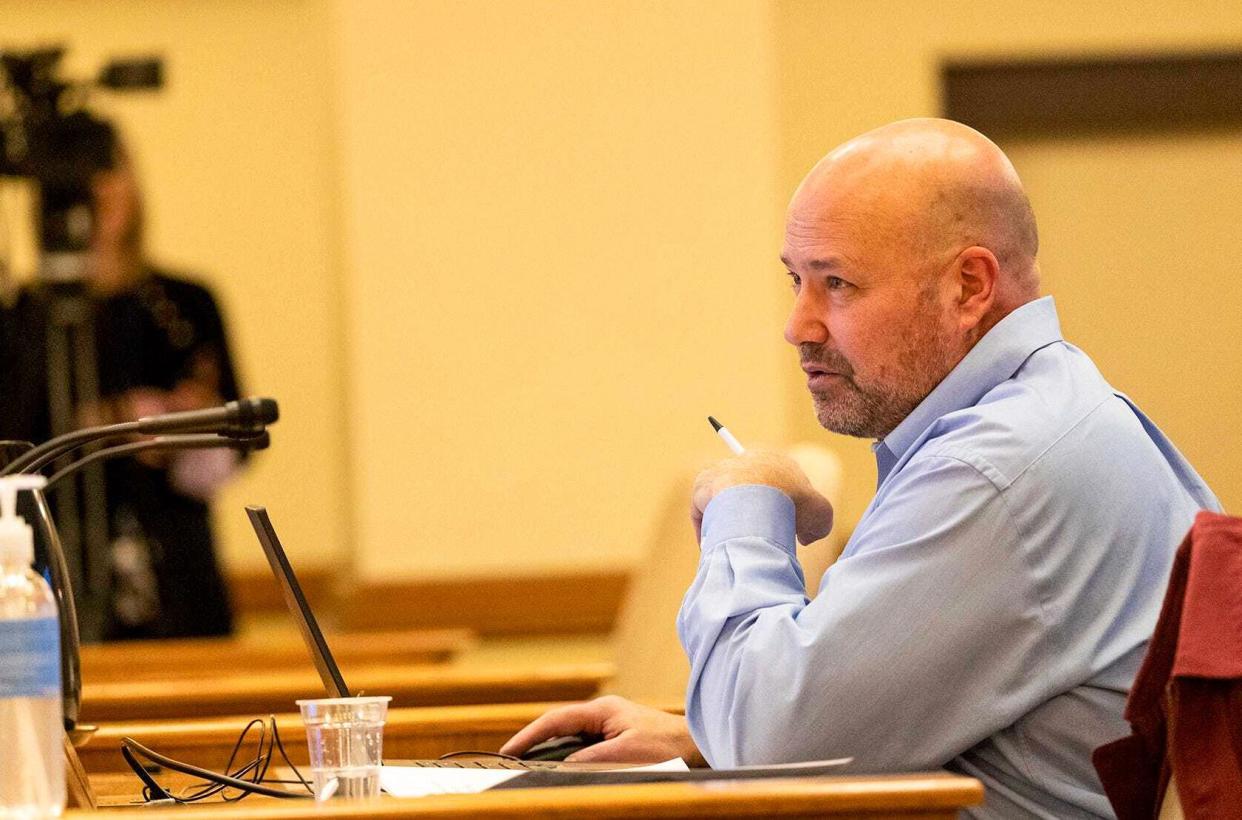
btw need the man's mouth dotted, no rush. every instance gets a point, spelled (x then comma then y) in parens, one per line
(818, 376)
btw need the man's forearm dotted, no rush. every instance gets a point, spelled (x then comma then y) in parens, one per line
(739, 574)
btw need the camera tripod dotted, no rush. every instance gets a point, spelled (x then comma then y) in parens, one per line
(81, 506)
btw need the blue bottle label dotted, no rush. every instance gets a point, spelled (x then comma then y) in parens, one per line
(30, 658)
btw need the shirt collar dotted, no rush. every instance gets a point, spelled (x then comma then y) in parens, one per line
(995, 358)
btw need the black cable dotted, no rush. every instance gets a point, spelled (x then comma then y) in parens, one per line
(269, 744)
(470, 753)
(245, 780)
(204, 774)
(150, 789)
(223, 780)
(264, 759)
(211, 789)
(216, 788)
(280, 745)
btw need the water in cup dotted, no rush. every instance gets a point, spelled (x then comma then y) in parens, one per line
(345, 738)
(344, 748)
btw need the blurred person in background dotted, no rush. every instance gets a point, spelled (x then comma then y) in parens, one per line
(161, 347)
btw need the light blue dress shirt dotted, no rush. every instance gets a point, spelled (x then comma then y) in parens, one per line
(990, 610)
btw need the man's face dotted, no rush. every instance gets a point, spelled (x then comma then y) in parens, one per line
(870, 318)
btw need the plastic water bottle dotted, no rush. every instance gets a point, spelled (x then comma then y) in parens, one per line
(32, 763)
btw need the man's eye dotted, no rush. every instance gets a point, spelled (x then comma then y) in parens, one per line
(795, 281)
(836, 283)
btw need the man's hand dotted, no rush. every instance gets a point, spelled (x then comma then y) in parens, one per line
(632, 733)
(813, 512)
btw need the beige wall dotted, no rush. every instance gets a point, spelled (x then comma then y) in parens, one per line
(522, 249)
(555, 218)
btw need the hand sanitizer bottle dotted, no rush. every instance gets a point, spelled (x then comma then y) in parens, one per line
(32, 763)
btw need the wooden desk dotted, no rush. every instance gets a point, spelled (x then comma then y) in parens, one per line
(410, 733)
(263, 693)
(924, 796)
(130, 660)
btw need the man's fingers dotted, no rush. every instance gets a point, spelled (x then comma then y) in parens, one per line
(814, 519)
(624, 748)
(811, 531)
(702, 494)
(567, 720)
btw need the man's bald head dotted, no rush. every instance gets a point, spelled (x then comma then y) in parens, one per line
(905, 246)
(926, 188)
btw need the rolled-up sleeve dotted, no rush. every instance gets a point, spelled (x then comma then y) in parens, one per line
(926, 638)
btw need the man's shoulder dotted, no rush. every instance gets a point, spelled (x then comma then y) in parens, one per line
(1056, 409)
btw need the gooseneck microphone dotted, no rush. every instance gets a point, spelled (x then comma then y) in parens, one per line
(241, 419)
(176, 442)
(244, 418)
(238, 424)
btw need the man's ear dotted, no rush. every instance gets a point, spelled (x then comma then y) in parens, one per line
(978, 273)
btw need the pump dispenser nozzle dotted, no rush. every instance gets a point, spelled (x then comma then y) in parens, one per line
(16, 536)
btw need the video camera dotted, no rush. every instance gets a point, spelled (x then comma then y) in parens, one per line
(47, 134)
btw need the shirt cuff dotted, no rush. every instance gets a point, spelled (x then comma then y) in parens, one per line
(750, 511)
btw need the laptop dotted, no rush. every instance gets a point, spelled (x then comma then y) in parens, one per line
(330, 673)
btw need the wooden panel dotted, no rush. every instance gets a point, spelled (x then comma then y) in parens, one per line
(575, 602)
(195, 657)
(932, 795)
(1051, 95)
(257, 591)
(544, 604)
(265, 693)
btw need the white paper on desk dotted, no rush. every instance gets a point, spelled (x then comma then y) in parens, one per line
(674, 765)
(419, 781)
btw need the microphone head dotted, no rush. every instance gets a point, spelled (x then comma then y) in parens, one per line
(267, 411)
(243, 418)
(259, 442)
(254, 412)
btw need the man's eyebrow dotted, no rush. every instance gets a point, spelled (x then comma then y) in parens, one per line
(829, 263)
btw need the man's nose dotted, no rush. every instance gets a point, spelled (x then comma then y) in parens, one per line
(806, 321)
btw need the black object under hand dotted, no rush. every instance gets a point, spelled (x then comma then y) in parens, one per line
(559, 748)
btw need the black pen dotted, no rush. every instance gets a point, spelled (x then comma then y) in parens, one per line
(724, 433)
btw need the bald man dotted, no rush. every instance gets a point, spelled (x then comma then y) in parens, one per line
(993, 604)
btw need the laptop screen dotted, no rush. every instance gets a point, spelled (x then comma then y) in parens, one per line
(329, 672)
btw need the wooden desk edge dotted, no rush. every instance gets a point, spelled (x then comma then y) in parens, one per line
(931, 794)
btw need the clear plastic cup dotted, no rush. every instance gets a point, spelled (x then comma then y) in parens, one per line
(345, 737)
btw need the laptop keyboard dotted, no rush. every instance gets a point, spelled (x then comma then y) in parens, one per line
(484, 764)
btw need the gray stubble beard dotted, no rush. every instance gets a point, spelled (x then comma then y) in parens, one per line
(875, 413)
